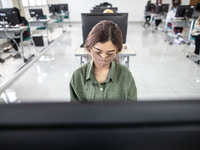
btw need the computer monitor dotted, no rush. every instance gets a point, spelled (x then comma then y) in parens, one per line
(185, 11)
(162, 8)
(101, 9)
(119, 125)
(9, 15)
(3, 17)
(153, 7)
(197, 8)
(54, 9)
(63, 7)
(91, 19)
(38, 13)
(165, 8)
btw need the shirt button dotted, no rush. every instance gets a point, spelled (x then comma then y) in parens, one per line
(101, 89)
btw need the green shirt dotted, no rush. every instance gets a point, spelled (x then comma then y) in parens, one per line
(119, 84)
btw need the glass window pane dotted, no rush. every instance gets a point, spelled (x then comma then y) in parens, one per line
(32, 2)
(38, 2)
(25, 3)
(44, 2)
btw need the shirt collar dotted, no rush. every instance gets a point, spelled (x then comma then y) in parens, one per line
(89, 70)
(90, 73)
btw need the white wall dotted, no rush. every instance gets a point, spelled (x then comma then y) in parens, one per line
(76, 7)
(135, 8)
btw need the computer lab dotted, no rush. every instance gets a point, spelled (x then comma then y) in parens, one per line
(99, 74)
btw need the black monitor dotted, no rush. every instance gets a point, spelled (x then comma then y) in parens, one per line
(38, 13)
(162, 8)
(150, 7)
(119, 125)
(153, 7)
(91, 19)
(197, 8)
(9, 15)
(165, 8)
(63, 7)
(185, 11)
(54, 9)
(101, 9)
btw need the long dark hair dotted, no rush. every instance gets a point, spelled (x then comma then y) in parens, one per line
(105, 31)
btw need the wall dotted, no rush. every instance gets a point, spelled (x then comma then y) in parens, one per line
(76, 7)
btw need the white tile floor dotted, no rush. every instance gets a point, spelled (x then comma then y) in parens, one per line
(161, 71)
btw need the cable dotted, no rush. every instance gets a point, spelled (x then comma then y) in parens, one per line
(11, 37)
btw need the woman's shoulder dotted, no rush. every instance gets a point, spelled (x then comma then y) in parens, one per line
(122, 68)
(82, 69)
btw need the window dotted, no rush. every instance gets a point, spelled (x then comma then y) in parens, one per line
(28, 3)
(44, 2)
(39, 2)
(25, 3)
(32, 2)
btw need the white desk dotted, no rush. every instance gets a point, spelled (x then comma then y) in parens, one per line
(14, 33)
(198, 28)
(126, 52)
(179, 23)
(39, 23)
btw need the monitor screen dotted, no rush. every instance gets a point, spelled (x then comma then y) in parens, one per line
(64, 7)
(10, 16)
(185, 11)
(3, 17)
(101, 9)
(38, 13)
(162, 8)
(91, 19)
(165, 8)
(121, 125)
(197, 7)
(54, 9)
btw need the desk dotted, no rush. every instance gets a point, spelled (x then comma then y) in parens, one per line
(14, 33)
(39, 23)
(60, 18)
(198, 28)
(125, 53)
(179, 23)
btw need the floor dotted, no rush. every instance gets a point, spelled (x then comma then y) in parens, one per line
(161, 71)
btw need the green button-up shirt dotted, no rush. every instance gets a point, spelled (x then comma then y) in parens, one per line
(119, 84)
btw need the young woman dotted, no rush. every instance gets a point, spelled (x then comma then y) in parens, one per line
(103, 78)
(23, 22)
(196, 35)
(171, 16)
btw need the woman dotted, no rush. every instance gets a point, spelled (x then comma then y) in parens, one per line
(14, 44)
(103, 78)
(171, 16)
(196, 35)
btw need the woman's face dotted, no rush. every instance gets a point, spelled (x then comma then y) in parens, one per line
(105, 49)
(103, 53)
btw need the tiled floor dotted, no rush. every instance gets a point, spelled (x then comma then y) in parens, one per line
(161, 71)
